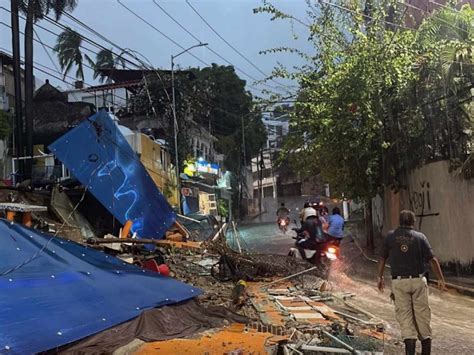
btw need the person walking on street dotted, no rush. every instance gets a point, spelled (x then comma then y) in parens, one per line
(408, 252)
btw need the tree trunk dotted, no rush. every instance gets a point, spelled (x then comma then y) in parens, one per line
(29, 86)
(18, 125)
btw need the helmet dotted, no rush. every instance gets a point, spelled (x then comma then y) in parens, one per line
(311, 213)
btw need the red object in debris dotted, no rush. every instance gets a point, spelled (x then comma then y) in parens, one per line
(152, 265)
(164, 270)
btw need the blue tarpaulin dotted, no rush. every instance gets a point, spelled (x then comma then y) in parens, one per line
(99, 156)
(54, 291)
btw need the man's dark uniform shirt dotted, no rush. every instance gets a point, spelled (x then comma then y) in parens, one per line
(407, 251)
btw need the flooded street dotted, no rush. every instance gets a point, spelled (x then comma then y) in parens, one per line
(452, 314)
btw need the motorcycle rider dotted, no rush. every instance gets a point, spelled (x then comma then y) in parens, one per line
(307, 209)
(283, 214)
(282, 211)
(336, 225)
(315, 238)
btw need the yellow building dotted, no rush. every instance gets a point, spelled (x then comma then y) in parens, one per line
(157, 161)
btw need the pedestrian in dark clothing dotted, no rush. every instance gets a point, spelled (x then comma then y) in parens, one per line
(408, 252)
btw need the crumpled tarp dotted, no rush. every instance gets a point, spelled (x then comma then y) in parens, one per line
(165, 323)
(54, 291)
(99, 156)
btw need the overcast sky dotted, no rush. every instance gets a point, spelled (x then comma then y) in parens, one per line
(232, 19)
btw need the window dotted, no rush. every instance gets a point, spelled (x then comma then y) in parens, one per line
(279, 130)
(272, 144)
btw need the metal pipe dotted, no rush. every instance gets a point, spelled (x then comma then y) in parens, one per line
(339, 341)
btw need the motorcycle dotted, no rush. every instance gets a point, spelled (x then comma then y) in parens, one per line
(283, 223)
(324, 256)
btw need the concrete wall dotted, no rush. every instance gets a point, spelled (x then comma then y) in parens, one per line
(444, 205)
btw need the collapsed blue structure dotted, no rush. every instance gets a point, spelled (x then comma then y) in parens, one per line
(54, 291)
(99, 156)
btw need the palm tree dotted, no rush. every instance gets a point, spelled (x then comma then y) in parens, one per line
(36, 10)
(105, 59)
(68, 48)
(453, 31)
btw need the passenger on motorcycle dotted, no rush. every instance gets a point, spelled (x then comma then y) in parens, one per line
(315, 238)
(336, 225)
(307, 209)
(324, 218)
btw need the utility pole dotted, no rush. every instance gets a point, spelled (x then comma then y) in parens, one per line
(18, 126)
(29, 86)
(175, 121)
(243, 174)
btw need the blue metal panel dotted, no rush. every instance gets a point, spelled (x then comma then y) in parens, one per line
(99, 156)
(54, 291)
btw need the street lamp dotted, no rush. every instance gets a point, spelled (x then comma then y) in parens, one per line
(175, 122)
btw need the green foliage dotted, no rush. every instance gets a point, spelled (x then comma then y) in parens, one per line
(215, 98)
(363, 115)
(44, 7)
(223, 208)
(105, 59)
(5, 120)
(68, 48)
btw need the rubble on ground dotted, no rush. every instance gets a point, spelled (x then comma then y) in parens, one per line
(305, 310)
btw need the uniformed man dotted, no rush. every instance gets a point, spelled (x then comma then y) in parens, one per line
(408, 252)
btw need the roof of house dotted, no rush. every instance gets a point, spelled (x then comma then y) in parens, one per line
(7, 59)
(124, 75)
(48, 92)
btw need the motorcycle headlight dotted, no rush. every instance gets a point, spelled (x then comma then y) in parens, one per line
(332, 250)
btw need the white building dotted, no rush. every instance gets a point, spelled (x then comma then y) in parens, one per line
(277, 128)
(113, 97)
(203, 145)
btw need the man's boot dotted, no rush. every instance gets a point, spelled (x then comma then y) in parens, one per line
(410, 345)
(426, 346)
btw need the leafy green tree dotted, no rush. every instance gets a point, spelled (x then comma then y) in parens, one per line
(374, 100)
(216, 99)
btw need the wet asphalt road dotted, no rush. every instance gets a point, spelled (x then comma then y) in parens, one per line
(452, 314)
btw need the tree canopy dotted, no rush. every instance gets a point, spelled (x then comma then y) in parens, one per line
(378, 98)
(212, 97)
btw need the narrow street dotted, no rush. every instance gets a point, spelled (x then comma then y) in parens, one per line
(452, 313)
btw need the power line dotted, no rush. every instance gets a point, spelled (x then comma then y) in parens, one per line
(226, 42)
(363, 15)
(44, 66)
(210, 49)
(435, 15)
(191, 54)
(98, 46)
